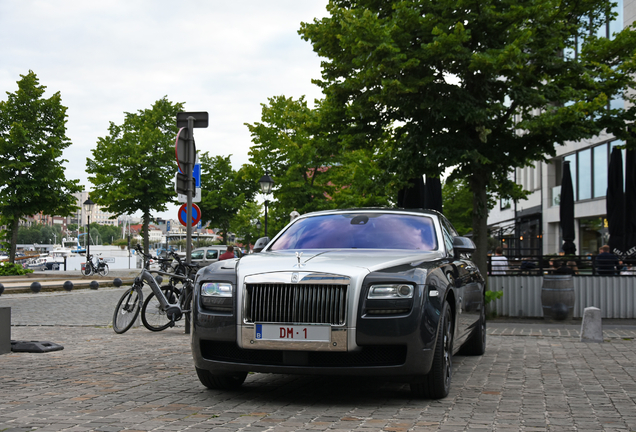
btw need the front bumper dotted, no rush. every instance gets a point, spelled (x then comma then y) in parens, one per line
(397, 347)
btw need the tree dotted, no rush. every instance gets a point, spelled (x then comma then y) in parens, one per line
(32, 138)
(133, 167)
(104, 234)
(482, 86)
(39, 233)
(296, 146)
(223, 192)
(244, 224)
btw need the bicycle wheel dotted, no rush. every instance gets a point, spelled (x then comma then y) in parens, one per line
(152, 316)
(103, 271)
(88, 270)
(127, 310)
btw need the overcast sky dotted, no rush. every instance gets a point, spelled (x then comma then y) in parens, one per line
(114, 56)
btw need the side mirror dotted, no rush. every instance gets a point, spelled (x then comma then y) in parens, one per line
(260, 244)
(463, 245)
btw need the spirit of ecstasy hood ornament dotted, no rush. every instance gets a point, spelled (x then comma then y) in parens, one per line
(298, 255)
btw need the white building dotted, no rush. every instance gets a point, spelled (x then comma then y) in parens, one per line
(98, 215)
(532, 226)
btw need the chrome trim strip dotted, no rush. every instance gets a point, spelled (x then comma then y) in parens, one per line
(303, 278)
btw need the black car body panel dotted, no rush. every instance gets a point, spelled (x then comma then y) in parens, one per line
(392, 336)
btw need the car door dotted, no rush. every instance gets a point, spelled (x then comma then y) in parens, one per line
(471, 292)
(211, 256)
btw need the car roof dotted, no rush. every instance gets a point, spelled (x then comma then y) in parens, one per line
(428, 212)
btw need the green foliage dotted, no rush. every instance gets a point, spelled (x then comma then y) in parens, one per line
(133, 167)
(224, 191)
(454, 83)
(11, 269)
(243, 224)
(104, 234)
(458, 205)
(306, 160)
(492, 295)
(39, 233)
(32, 140)
(121, 242)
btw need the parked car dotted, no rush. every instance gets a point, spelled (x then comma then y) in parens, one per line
(385, 293)
(207, 255)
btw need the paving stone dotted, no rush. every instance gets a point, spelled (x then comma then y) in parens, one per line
(534, 376)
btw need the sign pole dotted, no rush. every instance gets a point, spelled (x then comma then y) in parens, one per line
(188, 173)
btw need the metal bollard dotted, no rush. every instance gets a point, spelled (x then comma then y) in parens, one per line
(36, 287)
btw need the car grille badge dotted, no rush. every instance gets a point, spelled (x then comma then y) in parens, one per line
(294, 277)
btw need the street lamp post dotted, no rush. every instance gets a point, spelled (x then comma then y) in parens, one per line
(88, 208)
(266, 184)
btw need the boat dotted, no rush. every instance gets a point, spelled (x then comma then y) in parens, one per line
(75, 245)
(52, 261)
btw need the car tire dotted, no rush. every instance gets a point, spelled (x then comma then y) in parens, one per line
(221, 382)
(476, 345)
(436, 385)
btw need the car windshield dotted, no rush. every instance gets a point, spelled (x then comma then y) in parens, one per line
(360, 230)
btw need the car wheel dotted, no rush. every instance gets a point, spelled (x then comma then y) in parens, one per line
(221, 382)
(476, 345)
(436, 384)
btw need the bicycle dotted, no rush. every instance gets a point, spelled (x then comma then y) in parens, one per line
(154, 317)
(129, 304)
(182, 268)
(100, 268)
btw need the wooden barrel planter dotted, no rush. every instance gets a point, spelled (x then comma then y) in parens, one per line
(557, 297)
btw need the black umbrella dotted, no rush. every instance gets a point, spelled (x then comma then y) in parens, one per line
(630, 203)
(615, 203)
(433, 194)
(566, 211)
(412, 195)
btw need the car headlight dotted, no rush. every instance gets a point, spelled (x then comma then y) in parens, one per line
(390, 291)
(216, 289)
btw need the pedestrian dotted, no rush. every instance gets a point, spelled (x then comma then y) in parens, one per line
(499, 262)
(229, 253)
(564, 269)
(606, 263)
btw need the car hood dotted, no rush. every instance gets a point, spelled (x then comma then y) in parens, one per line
(336, 261)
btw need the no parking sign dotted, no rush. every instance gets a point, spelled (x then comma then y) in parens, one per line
(183, 214)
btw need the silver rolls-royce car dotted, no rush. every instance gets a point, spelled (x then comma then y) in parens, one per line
(379, 292)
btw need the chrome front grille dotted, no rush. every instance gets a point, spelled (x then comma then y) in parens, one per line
(297, 303)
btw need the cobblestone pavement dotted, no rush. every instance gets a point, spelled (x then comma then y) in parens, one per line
(533, 377)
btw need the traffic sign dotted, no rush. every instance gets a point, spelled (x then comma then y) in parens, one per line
(181, 184)
(196, 193)
(185, 150)
(200, 119)
(183, 214)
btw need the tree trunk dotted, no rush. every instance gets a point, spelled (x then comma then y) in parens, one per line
(225, 235)
(478, 182)
(144, 232)
(14, 239)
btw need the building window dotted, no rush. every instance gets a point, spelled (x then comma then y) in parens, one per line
(572, 159)
(589, 171)
(600, 161)
(585, 174)
(594, 234)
